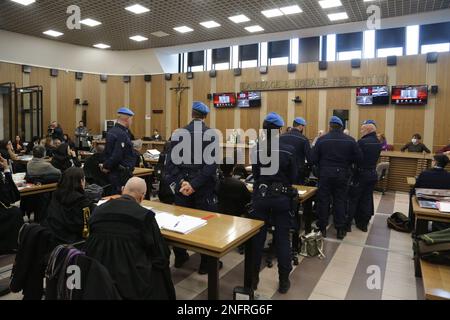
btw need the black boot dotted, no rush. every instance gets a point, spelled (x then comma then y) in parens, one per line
(349, 227)
(255, 280)
(341, 233)
(362, 227)
(180, 260)
(285, 284)
(323, 231)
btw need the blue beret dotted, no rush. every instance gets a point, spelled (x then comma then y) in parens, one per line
(125, 111)
(275, 119)
(370, 122)
(336, 120)
(300, 121)
(200, 107)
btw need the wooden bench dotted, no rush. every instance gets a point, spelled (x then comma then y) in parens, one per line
(436, 281)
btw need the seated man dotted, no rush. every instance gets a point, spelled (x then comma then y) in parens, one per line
(416, 145)
(445, 149)
(232, 193)
(126, 239)
(156, 136)
(40, 169)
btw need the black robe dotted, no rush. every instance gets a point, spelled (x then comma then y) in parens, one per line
(126, 239)
(11, 218)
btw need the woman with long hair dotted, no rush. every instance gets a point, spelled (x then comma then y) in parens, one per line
(65, 158)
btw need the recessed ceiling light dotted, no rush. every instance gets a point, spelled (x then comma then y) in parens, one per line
(183, 29)
(137, 9)
(253, 29)
(325, 4)
(338, 16)
(138, 38)
(291, 10)
(210, 24)
(102, 46)
(239, 19)
(272, 13)
(90, 22)
(53, 33)
(160, 34)
(24, 2)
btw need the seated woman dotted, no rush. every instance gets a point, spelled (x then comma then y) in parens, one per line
(69, 209)
(65, 158)
(69, 141)
(18, 145)
(7, 150)
(11, 218)
(416, 145)
(34, 143)
(383, 140)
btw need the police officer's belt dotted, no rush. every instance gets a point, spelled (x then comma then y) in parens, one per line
(277, 189)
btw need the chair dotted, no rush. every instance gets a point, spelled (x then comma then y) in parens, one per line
(382, 172)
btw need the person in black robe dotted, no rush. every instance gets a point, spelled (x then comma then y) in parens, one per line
(69, 209)
(125, 238)
(65, 158)
(11, 217)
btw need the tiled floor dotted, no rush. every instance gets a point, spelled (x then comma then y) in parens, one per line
(381, 258)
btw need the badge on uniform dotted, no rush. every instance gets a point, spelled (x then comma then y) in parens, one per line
(123, 144)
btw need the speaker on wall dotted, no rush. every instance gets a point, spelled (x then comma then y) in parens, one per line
(356, 63)
(53, 72)
(212, 73)
(126, 79)
(103, 78)
(392, 61)
(323, 65)
(291, 67)
(148, 78)
(432, 57)
(26, 69)
(79, 75)
(263, 70)
(237, 72)
(209, 96)
(434, 89)
(77, 101)
(190, 75)
(168, 76)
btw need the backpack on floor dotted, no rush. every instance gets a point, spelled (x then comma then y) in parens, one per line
(399, 222)
(312, 245)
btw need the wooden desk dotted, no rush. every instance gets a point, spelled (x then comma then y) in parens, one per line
(403, 165)
(142, 172)
(146, 145)
(436, 281)
(222, 234)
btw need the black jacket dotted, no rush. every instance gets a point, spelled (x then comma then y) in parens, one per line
(65, 217)
(126, 239)
(371, 149)
(118, 149)
(301, 144)
(420, 147)
(11, 218)
(435, 178)
(233, 196)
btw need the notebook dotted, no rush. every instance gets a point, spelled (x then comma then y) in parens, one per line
(180, 224)
(427, 204)
(444, 207)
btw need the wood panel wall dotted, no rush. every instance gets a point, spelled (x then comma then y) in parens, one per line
(408, 119)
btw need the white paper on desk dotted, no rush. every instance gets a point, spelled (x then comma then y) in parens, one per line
(180, 224)
(301, 192)
(101, 202)
(444, 207)
(148, 208)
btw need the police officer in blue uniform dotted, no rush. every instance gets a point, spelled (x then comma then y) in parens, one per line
(273, 197)
(193, 179)
(119, 157)
(334, 154)
(361, 207)
(302, 147)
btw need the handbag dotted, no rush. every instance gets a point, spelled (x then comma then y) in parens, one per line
(312, 245)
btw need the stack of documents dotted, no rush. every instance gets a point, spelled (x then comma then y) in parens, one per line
(180, 224)
(444, 207)
(433, 194)
(152, 154)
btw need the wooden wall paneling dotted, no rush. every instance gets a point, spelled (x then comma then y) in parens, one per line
(137, 104)
(377, 113)
(250, 118)
(338, 98)
(184, 119)
(114, 96)
(201, 89)
(225, 116)
(11, 73)
(91, 93)
(411, 70)
(312, 102)
(277, 101)
(66, 101)
(442, 114)
(41, 77)
(159, 103)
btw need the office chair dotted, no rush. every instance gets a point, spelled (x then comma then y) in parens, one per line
(382, 172)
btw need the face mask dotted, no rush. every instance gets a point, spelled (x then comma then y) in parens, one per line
(414, 141)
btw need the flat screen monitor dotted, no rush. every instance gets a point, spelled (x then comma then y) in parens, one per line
(249, 99)
(224, 100)
(410, 95)
(376, 95)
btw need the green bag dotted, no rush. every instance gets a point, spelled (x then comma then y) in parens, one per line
(312, 245)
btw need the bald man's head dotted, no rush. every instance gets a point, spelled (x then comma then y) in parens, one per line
(125, 120)
(136, 188)
(367, 129)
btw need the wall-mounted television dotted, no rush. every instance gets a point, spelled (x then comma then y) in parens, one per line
(376, 95)
(249, 99)
(410, 95)
(224, 100)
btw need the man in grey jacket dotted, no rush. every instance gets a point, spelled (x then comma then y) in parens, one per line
(38, 167)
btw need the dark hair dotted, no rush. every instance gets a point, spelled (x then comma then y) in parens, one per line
(70, 182)
(36, 138)
(3, 144)
(198, 115)
(38, 152)
(227, 167)
(335, 126)
(441, 160)
(61, 151)
(417, 136)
